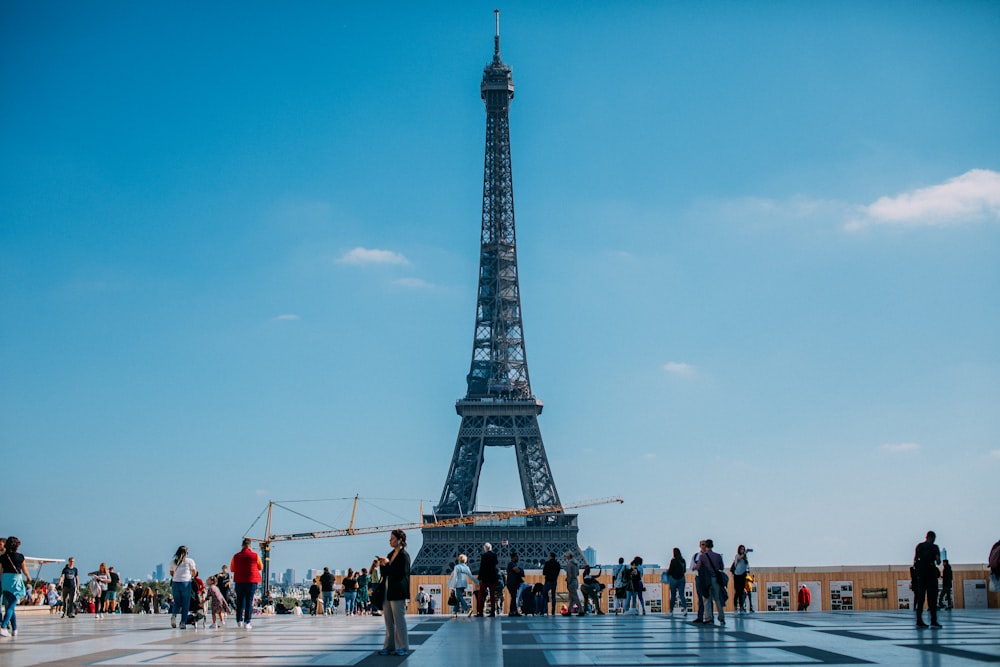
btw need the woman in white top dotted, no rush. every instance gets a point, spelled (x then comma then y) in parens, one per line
(182, 572)
(461, 578)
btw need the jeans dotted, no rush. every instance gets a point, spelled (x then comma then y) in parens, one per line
(244, 602)
(349, 599)
(677, 593)
(715, 597)
(10, 604)
(945, 594)
(548, 593)
(701, 587)
(182, 600)
(460, 596)
(327, 602)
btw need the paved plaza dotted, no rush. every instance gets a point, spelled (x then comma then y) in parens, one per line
(824, 638)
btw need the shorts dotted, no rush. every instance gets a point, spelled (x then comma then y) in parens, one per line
(111, 595)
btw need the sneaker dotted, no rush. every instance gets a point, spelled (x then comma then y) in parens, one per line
(4, 633)
(173, 621)
(248, 626)
(400, 652)
(13, 633)
(239, 624)
(384, 651)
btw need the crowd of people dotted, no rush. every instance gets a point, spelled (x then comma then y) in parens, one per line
(383, 588)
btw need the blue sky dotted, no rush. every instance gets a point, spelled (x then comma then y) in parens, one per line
(758, 251)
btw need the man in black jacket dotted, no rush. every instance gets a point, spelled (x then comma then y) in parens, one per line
(488, 577)
(515, 577)
(926, 558)
(550, 571)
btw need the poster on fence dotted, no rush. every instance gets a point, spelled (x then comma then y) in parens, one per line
(652, 597)
(435, 606)
(841, 595)
(778, 598)
(904, 594)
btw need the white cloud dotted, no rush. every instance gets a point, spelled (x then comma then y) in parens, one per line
(972, 197)
(679, 369)
(286, 318)
(412, 283)
(900, 447)
(361, 255)
(995, 454)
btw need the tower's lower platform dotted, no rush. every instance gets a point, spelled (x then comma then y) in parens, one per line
(533, 538)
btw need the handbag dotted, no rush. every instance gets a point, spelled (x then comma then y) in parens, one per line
(378, 594)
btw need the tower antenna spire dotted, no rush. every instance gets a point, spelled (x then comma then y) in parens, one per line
(496, 39)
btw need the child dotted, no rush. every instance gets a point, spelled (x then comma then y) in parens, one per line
(219, 605)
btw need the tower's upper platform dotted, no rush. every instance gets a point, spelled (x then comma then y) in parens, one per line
(497, 88)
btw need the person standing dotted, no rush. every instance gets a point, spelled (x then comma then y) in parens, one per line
(675, 579)
(15, 584)
(111, 595)
(98, 584)
(461, 578)
(223, 581)
(182, 571)
(740, 568)
(326, 581)
(926, 558)
(947, 580)
(314, 599)
(550, 571)
(634, 599)
(573, 585)
(488, 580)
(422, 600)
(515, 577)
(350, 588)
(701, 583)
(395, 568)
(246, 567)
(363, 600)
(69, 584)
(710, 565)
(804, 598)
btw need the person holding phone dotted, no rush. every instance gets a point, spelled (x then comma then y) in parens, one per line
(395, 568)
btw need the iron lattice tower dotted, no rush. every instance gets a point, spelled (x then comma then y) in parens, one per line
(499, 409)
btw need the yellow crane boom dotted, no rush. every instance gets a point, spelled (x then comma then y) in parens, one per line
(424, 525)
(269, 537)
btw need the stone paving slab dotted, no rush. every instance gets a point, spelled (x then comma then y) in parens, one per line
(779, 639)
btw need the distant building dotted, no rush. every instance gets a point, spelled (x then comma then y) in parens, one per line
(590, 555)
(289, 578)
(158, 573)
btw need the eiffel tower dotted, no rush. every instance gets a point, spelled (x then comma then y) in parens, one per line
(499, 409)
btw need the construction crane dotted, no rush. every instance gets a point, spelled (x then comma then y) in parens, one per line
(504, 515)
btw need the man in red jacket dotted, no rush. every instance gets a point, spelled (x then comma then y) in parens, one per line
(805, 598)
(246, 567)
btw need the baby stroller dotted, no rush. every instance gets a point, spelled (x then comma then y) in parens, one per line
(196, 608)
